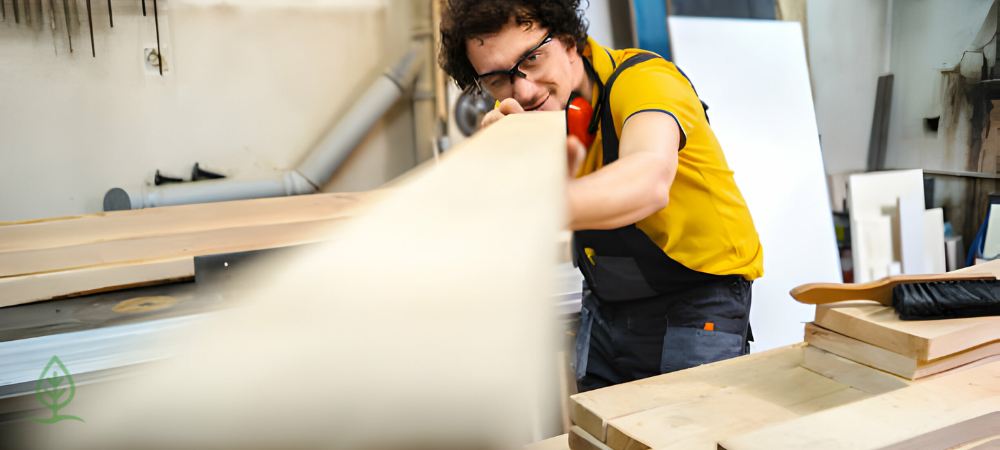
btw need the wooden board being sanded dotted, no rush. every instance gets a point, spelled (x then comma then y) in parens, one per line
(426, 323)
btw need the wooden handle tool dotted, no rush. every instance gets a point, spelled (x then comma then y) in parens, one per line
(879, 290)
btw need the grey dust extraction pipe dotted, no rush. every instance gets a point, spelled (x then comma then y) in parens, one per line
(317, 168)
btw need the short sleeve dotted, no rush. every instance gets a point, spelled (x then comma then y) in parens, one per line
(655, 85)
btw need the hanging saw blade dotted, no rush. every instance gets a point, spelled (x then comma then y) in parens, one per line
(159, 54)
(90, 21)
(69, 33)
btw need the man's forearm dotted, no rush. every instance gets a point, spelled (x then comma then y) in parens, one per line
(624, 192)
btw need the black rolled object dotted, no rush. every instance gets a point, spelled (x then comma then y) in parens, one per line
(947, 299)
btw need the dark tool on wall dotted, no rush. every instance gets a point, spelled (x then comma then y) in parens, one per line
(17, 16)
(143, 8)
(90, 21)
(198, 174)
(159, 55)
(916, 297)
(111, 15)
(3, 10)
(161, 179)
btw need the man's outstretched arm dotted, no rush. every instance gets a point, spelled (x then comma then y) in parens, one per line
(636, 185)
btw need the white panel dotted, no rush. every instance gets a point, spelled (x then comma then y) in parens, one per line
(991, 246)
(910, 213)
(753, 75)
(934, 240)
(874, 195)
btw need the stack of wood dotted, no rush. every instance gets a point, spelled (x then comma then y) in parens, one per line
(70, 256)
(863, 379)
(917, 350)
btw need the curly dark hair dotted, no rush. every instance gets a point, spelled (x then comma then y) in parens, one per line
(466, 19)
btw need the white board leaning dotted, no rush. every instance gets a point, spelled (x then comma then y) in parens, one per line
(754, 77)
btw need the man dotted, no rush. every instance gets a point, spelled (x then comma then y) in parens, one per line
(661, 232)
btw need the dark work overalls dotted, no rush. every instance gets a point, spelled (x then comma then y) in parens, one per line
(644, 313)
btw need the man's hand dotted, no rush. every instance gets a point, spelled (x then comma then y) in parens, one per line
(508, 106)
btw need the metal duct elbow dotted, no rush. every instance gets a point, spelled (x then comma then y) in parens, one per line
(317, 168)
(321, 163)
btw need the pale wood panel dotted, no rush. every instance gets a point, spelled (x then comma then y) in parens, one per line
(885, 419)
(882, 359)
(32, 288)
(379, 315)
(593, 409)
(697, 407)
(198, 243)
(850, 373)
(925, 340)
(560, 442)
(702, 421)
(117, 225)
(581, 440)
(980, 433)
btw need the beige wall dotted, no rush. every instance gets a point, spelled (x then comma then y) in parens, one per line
(251, 87)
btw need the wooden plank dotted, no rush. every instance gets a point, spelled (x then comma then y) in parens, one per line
(925, 340)
(879, 358)
(849, 373)
(592, 410)
(560, 442)
(974, 431)
(581, 440)
(72, 283)
(885, 419)
(701, 405)
(701, 421)
(175, 231)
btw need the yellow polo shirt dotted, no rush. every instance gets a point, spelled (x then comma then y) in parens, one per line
(707, 226)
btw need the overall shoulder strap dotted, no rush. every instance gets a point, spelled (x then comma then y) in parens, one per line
(609, 136)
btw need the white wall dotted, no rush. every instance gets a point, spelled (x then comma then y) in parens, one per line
(928, 36)
(847, 54)
(251, 87)
(598, 13)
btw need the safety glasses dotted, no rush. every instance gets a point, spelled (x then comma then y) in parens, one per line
(498, 82)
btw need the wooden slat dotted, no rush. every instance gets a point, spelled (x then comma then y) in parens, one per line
(925, 340)
(879, 358)
(886, 419)
(172, 232)
(71, 283)
(560, 442)
(581, 440)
